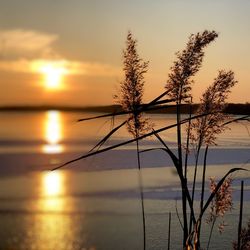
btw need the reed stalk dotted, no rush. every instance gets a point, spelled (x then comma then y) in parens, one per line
(130, 98)
(169, 229)
(179, 84)
(210, 234)
(240, 216)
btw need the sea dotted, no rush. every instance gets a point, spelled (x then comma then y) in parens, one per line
(94, 203)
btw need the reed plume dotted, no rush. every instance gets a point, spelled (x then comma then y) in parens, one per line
(221, 203)
(188, 63)
(205, 129)
(132, 88)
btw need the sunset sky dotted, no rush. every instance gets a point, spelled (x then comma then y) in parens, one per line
(70, 52)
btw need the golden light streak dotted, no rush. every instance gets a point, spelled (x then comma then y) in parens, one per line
(52, 183)
(52, 190)
(53, 133)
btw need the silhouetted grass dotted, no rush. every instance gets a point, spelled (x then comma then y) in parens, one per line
(207, 121)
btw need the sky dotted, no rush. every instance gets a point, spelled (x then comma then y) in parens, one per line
(60, 52)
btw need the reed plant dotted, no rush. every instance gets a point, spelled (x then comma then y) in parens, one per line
(130, 98)
(179, 84)
(202, 128)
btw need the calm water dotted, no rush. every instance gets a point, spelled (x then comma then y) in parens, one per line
(94, 204)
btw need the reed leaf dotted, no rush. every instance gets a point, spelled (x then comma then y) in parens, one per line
(105, 138)
(142, 108)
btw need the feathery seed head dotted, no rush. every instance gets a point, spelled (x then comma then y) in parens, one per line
(187, 64)
(222, 201)
(213, 102)
(132, 87)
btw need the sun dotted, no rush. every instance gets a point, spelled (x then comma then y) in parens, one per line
(53, 75)
(52, 71)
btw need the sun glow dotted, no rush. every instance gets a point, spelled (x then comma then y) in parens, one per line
(53, 72)
(53, 77)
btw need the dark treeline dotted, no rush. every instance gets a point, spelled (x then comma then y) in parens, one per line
(232, 108)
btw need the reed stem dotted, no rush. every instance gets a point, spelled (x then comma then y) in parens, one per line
(184, 199)
(141, 194)
(211, 231)
(169, 229)
(240, 217)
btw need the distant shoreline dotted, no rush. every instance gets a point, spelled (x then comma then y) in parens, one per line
(101, 109)
(232, 108)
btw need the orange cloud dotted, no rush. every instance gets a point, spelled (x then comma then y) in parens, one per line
(71, 67)
(29, 51)
(25, 43)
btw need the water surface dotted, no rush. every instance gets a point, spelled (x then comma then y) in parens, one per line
(94, 203)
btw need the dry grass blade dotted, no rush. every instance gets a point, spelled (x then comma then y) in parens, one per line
(171, 154)
(126, 142)
(100, 143)
(178, 169)
(243, 118)
(173, 157)
(142, 108)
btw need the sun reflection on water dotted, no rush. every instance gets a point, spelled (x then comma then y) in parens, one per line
(54, 226)
(53, 190)
(53, 133)
(53, 183)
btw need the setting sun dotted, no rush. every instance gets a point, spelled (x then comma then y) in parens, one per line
(52, 71)
(53, 75)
